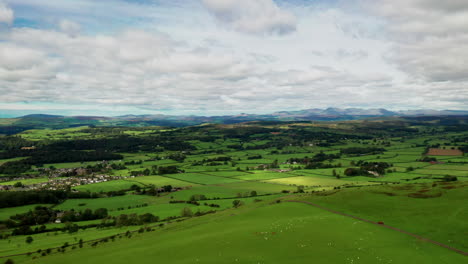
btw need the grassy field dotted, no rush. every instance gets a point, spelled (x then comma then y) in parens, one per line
(437, 212)
(253, 165)
(108, 186)
(201, 178)
(5, 213)
(263, 233)
(159, 181)
(111, 203)
(314, 181)
(26, 181)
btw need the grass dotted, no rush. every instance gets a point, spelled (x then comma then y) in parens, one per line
(5, 213)
(201, 178)
(159, 181)
(313, 181)
(111, 203)
(12, 159)
(259, 187)
(441, 218)
(16, 244)
(263, 176)
(26, 181)
(263, 233)
(107, 186)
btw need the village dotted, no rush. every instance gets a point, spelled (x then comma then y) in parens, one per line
(63, 178)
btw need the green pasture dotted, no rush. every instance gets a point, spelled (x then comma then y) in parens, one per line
(440, 214)
(108, 186)
(263, 233)
(259, 187)
(201, 178)
(12, 159)
(16, 244)
(262, 175)
(5, 213)
(314, 181)
(111, 203)
(26, 181)
(159, 181)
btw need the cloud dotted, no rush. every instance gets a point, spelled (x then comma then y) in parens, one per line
(252, 16)
(6, 14)
(69, 27)
(427, 37)
(191, 65)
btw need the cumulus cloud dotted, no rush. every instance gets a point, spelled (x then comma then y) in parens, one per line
(252, 16)
(208, 70)
(6, 14)
(153, 71)
(428, 37)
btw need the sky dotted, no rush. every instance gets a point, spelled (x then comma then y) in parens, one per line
(215, 57)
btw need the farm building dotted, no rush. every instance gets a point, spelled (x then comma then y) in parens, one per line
(444, 152)
(28, 148)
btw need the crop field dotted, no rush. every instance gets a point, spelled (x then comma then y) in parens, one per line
(249, 193)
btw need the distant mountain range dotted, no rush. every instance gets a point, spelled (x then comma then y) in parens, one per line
(373, 112)
(15, 125)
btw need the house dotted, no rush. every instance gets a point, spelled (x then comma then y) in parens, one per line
(59, 215)
(28, 148)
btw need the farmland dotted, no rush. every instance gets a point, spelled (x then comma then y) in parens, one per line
(235, 193)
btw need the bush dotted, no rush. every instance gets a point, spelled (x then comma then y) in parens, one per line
(237, 203)
(29, 239)
(186, 212)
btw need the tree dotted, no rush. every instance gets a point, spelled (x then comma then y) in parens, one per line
(237, 203)
(300, 189)
(352, 172)
(100, 213)
(449, 178)
(253, 193)
(186, 212)
(29, 239)
(9, 261)
(18, 185)
(198, 197)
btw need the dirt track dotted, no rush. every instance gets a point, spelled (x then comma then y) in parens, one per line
(383, 225)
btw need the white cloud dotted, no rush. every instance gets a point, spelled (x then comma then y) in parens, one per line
(6, 14)
(428, 37)
(252, 16)
(69, 27)
(191, 65)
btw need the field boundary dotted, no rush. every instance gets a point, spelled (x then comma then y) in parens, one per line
(383, 225)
